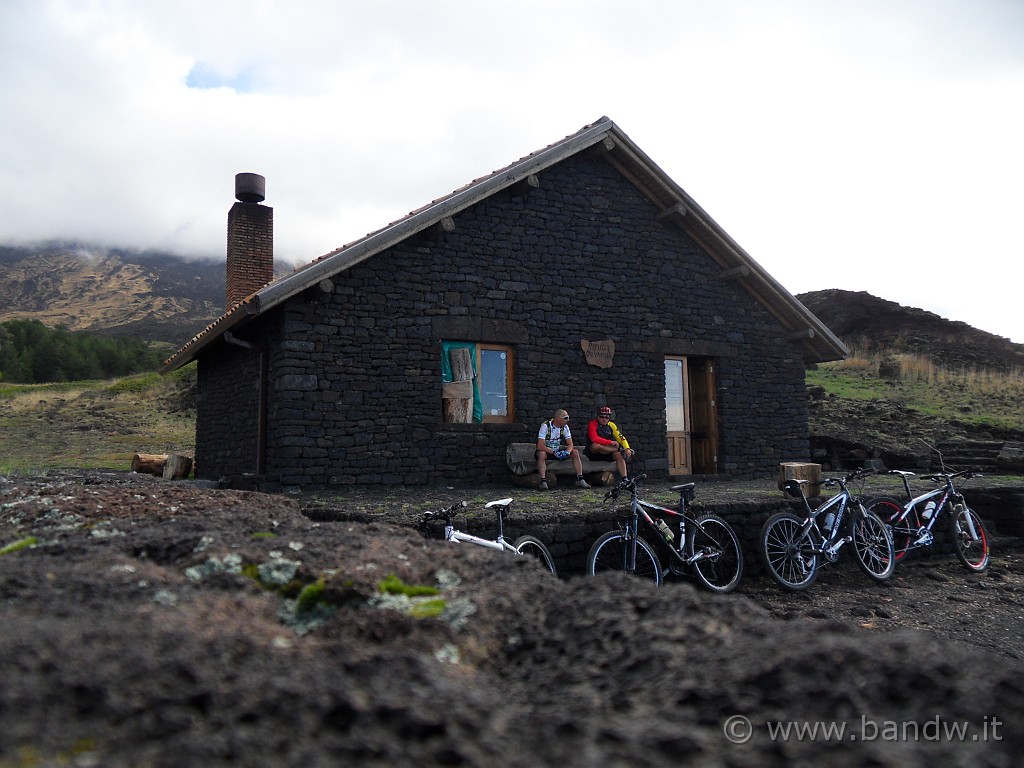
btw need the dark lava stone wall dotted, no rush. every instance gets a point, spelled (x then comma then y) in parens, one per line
(354, 391)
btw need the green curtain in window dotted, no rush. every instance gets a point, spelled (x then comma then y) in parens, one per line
(446, 373)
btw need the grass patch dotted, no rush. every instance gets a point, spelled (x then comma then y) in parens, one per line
(310, 597)
(141, 382)
(428, 609)
(987, 399)
(17, 546)
(392, 585)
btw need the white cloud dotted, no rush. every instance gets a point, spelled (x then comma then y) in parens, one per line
(871, 146)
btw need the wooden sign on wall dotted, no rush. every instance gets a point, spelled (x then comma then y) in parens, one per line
(599, 353)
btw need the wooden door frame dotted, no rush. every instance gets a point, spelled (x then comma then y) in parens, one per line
(677, 443)
(689, 452)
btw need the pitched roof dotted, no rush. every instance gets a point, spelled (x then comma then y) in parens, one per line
(819, 343)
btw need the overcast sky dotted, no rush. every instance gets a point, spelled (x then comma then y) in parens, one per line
(858, 144)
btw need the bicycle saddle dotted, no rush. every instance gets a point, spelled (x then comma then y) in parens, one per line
(499, 503)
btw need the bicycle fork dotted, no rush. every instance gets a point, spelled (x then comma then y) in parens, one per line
(972, 532)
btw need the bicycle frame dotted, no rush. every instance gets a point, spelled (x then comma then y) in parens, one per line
(639, 510)
(500, 543)
(831, 540)
(923, 534)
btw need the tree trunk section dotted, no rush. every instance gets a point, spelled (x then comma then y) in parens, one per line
(459, 410)
(149, 463)
(177, 467)
(797, 470)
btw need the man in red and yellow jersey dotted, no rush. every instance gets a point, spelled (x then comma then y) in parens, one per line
(606, 443)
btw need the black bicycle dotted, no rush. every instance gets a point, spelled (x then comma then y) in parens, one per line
(706, 543)
(912, 521)
(794, 547)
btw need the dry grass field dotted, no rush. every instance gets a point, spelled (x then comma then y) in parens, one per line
(95, 424)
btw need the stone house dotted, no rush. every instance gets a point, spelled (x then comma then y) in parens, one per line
(578, 276)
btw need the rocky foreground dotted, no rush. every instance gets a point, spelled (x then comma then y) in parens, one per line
(146, 623)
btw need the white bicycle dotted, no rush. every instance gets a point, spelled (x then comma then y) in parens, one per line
(529, 546)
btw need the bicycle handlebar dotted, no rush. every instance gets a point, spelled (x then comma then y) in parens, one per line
(942, 477)
(856, 474)
(446, 513)
(629, 484)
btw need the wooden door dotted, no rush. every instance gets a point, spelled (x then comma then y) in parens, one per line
(676, 416)
(703, 415)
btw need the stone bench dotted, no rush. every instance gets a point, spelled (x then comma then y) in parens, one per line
(521, 459)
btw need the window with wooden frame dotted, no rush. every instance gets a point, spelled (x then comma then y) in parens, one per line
(477, 383)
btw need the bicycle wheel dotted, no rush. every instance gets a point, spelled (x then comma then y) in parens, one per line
(534, 547)
(872, 544)
(782, 551)
(972, 551)
(720, 571)
(611, 553)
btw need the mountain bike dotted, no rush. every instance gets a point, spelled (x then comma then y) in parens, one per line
(912, 521)
(706, 544)
(527, 545)
(795, 547)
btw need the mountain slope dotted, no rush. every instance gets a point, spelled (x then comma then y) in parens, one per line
(155, 296)
(873, 325)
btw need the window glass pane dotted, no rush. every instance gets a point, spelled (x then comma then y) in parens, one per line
(494, 382)
(675, 405)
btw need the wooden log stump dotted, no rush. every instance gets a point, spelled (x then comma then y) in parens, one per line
(604, 479)
(177, 467)
(149, 463)
(798, 470)
(457, 396)
(168, 466)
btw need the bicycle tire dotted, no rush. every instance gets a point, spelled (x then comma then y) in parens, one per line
(872, 544)
(531, 546)
(903, 532)
(610, 553)
(974, 555)
(781, 555)
(722, 572)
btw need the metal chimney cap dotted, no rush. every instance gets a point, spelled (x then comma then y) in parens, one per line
(250, 187)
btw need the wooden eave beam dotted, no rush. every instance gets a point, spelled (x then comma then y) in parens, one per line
(445, 225)
(801, 334)
(679, 209)
(735, 273)
(524, 185)
(603, 147)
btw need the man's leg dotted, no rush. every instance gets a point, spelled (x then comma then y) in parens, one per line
(620, 464)
(578, 464)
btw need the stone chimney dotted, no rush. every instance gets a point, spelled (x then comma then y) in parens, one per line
(250, 239)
